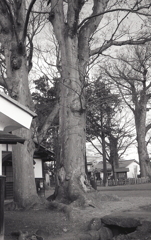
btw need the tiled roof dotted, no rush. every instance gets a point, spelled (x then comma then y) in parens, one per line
(7, 138)
(126, 163)
(93, 158)
(99, 166)
(122, 164)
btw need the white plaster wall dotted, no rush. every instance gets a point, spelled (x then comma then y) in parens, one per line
(7, 147)
(38, 168)
(134, 170)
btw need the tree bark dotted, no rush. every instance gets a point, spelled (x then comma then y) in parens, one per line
(104, 160)
(74, 48)
(71, 167)
(25, 194)
(140, 120)
(17, 82)
(114, 159)
(103, 151)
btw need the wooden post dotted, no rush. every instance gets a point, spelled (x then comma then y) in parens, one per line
(2, 192)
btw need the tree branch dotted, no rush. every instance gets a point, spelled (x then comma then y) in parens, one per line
(149, 85)
(118, 43)
(12, 21)
(74, 8)
(116, 10)
(30, 55)
(129, 144)
(148, 96)
(27, 20)
(129, 105)
(94, 20)
(48, 123)
(148, 127)
(57, 19)
(86, 31)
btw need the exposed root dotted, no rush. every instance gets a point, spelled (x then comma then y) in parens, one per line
(40, 203)
(61, 207)
(84, 183)
(71, 194)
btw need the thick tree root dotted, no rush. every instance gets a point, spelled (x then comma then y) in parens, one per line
(83, 201)
(61, 207)
(70, 194)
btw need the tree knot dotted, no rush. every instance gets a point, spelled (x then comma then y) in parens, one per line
(61, 174)
(51, 16)
(16, 62)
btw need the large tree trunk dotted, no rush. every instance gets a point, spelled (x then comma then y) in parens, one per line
(71, 167)
(71, 175)
(104, 160)
(17, 83)
(74, 49)
(104, 152)
(144, 161)
(114, 159)
(25, 194)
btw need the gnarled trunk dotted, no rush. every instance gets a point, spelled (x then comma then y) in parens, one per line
(17, 84)
(71, 166)
(25, 194)
(74, 51)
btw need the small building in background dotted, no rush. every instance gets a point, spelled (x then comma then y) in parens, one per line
(133, 167)
(127, 169)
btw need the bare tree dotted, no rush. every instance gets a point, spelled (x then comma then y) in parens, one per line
(74, 31)
(74, 34)
(14, 19)
(107, 121)
(131, 72)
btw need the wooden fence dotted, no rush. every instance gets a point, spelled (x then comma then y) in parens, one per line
(127, 181)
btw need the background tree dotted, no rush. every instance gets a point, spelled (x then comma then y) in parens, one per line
(105, 117)
(45, 98)
(46, 105)
(131, 73)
